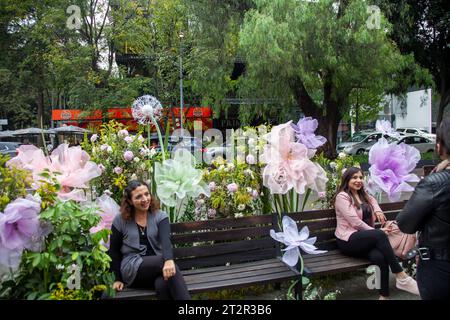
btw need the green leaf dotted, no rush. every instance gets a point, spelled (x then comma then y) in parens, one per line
(36, 260)
(75, 255)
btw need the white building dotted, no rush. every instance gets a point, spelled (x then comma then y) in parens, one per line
(412, 110)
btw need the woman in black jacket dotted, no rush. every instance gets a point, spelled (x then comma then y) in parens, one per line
(428, 211)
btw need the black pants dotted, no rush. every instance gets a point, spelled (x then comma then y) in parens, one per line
(433, 279)
(373, 245)
(150, 275)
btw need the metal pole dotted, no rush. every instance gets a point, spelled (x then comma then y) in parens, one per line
(181, 92)
(181, 81)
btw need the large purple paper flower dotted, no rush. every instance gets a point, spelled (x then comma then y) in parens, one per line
(391, 166)
(19, 224)
(304, 132)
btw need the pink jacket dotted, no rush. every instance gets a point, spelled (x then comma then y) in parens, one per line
(349, 218)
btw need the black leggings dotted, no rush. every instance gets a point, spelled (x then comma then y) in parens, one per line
(150, 275)
(373, 245)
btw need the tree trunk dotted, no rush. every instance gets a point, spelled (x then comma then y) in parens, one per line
(328, 121)
(40, 115)
(445, 100)
(445, 96)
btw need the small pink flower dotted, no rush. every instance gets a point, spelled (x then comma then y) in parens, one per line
(128, 139)
(94, 137)
(322, 195)
(118, 170)
(212, 186)
(211, 213)
(232, 187)
(250, 159)
(128, 155)
(122, 133)
(104, 147)
(255, 194)
(101, 167)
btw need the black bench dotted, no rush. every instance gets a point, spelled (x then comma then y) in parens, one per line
(236, 253)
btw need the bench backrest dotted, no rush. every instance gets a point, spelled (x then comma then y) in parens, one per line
(221, 241)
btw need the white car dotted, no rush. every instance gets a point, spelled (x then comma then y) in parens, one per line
(416, 131)
(423, 144)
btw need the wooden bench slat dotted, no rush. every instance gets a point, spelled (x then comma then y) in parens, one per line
(239, 283)
(221, 223)
(234, 275)
(233, 234)
(226, 258)
(231, 266)
(233, 271)
(222, 248)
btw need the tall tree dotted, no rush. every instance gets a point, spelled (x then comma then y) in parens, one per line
(315, 54)
(423, 28)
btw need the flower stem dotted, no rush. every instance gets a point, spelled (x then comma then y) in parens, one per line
(159, 137)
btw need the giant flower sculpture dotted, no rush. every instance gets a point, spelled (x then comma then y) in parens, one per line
(304, 131)
(73, 165)
(288, 165)
(294, 241)
(146, 110)
(19, 227)
(178, 178)
(391, 167)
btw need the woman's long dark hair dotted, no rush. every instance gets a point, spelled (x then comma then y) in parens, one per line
(443, 136)
(343, 187)
(127, 209)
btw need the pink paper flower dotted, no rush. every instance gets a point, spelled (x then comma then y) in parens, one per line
(73, 164)
(118, 170)
(288, 165)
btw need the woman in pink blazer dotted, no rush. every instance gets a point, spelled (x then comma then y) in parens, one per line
(356, 212)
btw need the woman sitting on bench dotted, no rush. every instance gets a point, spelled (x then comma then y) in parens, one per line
(356, 235)
(140, 247)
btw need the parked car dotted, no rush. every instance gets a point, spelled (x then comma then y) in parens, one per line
(416, 131)
(423, 144)
(359, 142)
(9, 148)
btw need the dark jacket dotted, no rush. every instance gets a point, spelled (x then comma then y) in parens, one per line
(428, 211)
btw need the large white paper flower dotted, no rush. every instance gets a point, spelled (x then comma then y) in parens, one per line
(293, 240)
(178, 178)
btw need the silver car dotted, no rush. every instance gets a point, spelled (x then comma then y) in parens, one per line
(423, 144)
(417, 132)
(359, 143)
